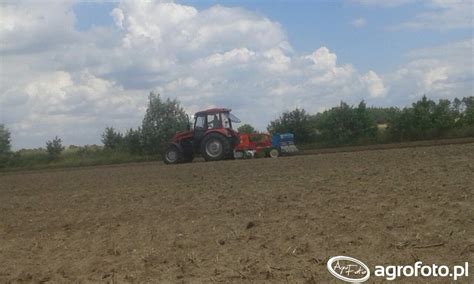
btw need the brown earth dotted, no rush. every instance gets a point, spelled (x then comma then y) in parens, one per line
(274, 220)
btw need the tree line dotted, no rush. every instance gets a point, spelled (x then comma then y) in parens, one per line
(341, 125)
(349, 125)
(163, 118)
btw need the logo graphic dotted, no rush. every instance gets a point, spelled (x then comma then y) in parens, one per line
(348, 269)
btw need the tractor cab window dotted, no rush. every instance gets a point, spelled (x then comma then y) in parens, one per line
(225, 120)
(213, 121)
(200, 122)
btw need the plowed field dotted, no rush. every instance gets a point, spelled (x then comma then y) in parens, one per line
(257, 220)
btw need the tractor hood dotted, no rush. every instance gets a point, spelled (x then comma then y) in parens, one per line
(182, 135)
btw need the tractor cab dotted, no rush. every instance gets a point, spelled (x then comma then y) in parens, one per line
(214, 119)
(212, 136)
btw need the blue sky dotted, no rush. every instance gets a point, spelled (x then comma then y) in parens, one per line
(72, 68)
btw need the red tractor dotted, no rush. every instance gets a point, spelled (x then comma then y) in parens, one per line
(212, 137)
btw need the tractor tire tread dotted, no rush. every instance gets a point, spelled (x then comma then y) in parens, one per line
(226, 147)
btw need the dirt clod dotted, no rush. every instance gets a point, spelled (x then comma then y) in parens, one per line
(250, 225)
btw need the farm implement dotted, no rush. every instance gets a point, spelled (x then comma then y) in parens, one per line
(265, 145)
(214, 139)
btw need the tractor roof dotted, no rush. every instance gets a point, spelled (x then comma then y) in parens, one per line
(213, 111)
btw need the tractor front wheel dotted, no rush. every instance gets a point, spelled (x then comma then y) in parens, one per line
(215, 147)
(172, 155)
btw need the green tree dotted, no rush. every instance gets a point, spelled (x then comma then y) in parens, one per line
(401, 127)
(5, 140)
(335, 126)
(383, 115)
(426, 119)
(54, 148)
(297, 122)
(112, 139)
(246, 128)
(346, 125)
(444, 117)
(162, 120)
(457, 104)
(5, 145)
(422, 120)
(366, 127)
(468, 113)
(132, 141)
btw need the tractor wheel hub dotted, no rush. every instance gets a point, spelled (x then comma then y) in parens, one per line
(171, 156)
(214, 148)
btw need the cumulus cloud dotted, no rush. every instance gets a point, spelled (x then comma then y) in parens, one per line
(374, 84)
(322, 59)
(26, 28)
(167, 26)
(234, 56)
(83, 81)
(438, 72)
(73, 106)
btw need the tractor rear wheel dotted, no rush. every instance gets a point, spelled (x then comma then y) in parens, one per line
(215, 147)
(172, 155)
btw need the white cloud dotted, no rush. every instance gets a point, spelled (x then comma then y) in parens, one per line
(443, 15)
(234, 56)
(71, 106)
(322, 58)
(182, 83)
(374, 84)
(276, 60)
(325, 72)
(440, 72)
(26, 27)
(117, 15)
(359, 22)
(167, 26)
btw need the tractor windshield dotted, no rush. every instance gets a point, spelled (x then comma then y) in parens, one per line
(228, 118)
(234, 118)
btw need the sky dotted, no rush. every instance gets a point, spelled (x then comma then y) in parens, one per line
(71, 68)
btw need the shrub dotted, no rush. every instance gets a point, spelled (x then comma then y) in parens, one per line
(54, 148)
(111, 138)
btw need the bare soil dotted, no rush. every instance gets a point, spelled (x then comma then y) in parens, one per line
(273, 220)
